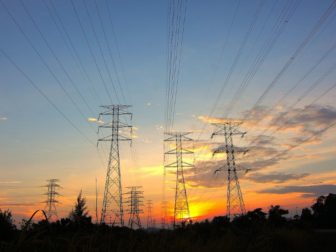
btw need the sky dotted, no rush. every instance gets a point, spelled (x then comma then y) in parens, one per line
(270, 64)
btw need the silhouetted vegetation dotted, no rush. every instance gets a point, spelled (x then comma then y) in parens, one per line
(79, 215)
(312, 230)
(7, 228)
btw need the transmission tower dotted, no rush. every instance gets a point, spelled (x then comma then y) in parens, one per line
(175, 141)
(134, 201)
(116, 120)
(234, 201)
(149, 214)
(51, 201)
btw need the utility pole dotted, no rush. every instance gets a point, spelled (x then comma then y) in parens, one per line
(96, 202)
(134, 201)
(51, 201)
(175, 141)
(149, 214)
(112, 208)
(234, 201)
(164, 206)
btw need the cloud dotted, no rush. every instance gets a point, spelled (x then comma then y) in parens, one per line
(93, 119)
(295, 127)
(204, 175)
(11, 182)
(307, 119)
(256, 114)
(19, 204)
(255, 160)
(3, 118)
(259, 164)
(211, 119)
(263, 140)
(275, 177)
(313, 190)
(159, 127)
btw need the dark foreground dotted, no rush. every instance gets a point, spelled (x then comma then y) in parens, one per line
(198, 237)
(313, 230)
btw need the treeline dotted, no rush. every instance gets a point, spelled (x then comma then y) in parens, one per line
(311, 230)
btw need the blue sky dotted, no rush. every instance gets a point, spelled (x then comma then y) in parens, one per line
(37, 143)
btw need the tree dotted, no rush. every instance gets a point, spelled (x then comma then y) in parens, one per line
(318, 207)
(325, 211)
(79, 214)
(330, 210)
(257, 215)
(221, 221)
(275, 215)
(7, 226)
(306, 215)
(251, 219)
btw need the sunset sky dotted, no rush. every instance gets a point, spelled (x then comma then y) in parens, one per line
(271, 64)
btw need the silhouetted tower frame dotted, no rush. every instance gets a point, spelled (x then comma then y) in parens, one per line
(181, 206)
(234, 202)
(52, 195)
(112, 199)
(135, 202)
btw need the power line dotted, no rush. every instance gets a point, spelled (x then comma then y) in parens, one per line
(317, 133)
(56, 57)
(101, 50)
(233, 65)
(176, 20)
(110, 52)
(309, 71)
(285, 15)
(66, 37)
(43, 61)
(297, 52)
(116, 43)
(45, 96)
(301, 97)
(91, 51)
(237, 57)
(283, 115)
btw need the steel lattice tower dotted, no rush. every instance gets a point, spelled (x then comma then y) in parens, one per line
(181, 207)
(51, 201)
(112, 207)
(234, 202)
(134, 201)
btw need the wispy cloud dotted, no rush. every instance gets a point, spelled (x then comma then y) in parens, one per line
(294, 128)
(308, 119)
(274, 177)
(3, 118)
(313, 190)
(19, 204)
(10, 182)
(93, 119)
